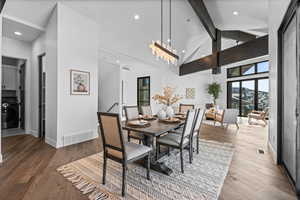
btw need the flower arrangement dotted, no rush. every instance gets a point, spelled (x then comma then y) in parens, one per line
(168, 98)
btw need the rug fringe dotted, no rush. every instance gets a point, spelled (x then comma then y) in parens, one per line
(82, 184)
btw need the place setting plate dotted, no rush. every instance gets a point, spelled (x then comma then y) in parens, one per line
(180, 116)
(172, 120)
(138, 123)
(148, 117)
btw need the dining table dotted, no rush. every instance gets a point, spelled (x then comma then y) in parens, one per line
(155, 128)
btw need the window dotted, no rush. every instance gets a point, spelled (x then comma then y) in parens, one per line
(248, 95)
(262, 67)
(143, 91)
(246, 70)
(234, 72)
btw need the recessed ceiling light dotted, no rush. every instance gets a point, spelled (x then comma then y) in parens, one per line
(136, 17)
(17, 33)
(235, 13)
(118, 61)
(183, 51)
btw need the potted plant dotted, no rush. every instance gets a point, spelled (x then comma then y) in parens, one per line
(168, 98)
(214, 89)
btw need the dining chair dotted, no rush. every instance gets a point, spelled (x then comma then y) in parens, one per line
(197, 128)
(132, 113)
(146, 110)
(180, 141)
(116, 149)
(183, 108)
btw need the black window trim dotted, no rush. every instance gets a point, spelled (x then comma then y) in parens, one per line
(240, 86)
(138, 91)
(241, 66)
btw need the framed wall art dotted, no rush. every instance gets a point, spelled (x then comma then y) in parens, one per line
(80, 82)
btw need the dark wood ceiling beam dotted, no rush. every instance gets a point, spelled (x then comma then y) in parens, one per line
(245, 51)
(216, 47)
(238, 35)
(2, 5)
(201, 11)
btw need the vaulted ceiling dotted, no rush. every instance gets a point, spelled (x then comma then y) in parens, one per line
(126, 38)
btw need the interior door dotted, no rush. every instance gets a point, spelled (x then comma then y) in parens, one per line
(22, 95)
(290, 98)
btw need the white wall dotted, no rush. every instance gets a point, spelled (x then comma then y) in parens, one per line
(277, 10)
(109, 86)
(77, 49)
(20, 49)
(162, 77)
(51, 128)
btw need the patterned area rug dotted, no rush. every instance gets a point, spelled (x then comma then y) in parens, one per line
(201, 180)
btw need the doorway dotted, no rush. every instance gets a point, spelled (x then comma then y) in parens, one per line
(13, 96)
(288, 94)
(42, 95)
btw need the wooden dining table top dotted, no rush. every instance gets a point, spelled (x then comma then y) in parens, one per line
(155, 129)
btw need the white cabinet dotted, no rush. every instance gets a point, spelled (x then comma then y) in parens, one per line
(9, 77)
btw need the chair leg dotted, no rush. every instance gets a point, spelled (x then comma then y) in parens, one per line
(181, 160)
(104, 170)
(148, 166)
(156, 151)
(198, 143)
(191, 152)
(237, 125)
(168, 151)
(128, 137)
(124, 188)
(140, 141)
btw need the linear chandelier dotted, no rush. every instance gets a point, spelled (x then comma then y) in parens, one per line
(161, 50)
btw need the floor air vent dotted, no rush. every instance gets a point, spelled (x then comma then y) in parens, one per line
(261, 151)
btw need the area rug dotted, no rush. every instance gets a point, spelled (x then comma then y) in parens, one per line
(203, 179)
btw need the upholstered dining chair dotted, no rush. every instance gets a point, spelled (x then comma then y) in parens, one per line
(197, 128)
(132, 113)
(183, 108)
(180, 141)
(146, 110)
(116, 149)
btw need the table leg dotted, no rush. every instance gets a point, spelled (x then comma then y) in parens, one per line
(155, 165)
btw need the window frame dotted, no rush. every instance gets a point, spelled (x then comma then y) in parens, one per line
(241, 66)
(138, 91)
(229, 94)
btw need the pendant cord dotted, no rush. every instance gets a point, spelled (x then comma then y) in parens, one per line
(170, 23)
(161, 22)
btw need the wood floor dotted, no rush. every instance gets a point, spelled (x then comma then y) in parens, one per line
(28, 171)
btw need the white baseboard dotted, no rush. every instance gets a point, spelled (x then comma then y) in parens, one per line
(51, 142)
(78, 137)
(33, 133)
(273, 153)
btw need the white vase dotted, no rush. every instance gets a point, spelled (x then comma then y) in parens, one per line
(162, 114)
(170, 111)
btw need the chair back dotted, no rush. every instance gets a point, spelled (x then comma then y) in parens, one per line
(146, 110)
(199, 119)
(131, 112)
(183, 108)
(231, 115)
(111, 132)
(189, 125)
